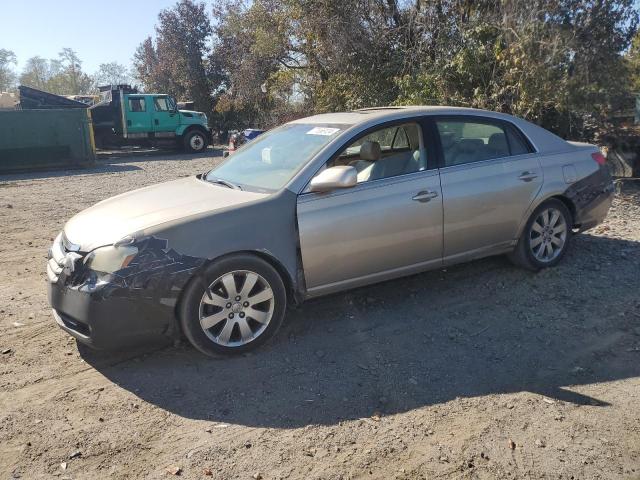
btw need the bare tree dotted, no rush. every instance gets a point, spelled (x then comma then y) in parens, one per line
(7, 74)
(112, 73)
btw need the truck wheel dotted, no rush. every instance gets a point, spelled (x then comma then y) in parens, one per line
(195, 141)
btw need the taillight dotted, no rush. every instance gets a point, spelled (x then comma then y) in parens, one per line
(599, 158)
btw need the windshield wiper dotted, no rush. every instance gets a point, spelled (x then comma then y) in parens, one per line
(219, 181)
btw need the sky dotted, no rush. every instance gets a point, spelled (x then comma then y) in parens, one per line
(99, 31)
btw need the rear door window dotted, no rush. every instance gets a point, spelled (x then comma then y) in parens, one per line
(468, 141)
(473, 140)
(137, 104)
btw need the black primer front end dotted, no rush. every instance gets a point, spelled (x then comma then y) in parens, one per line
(127, 307)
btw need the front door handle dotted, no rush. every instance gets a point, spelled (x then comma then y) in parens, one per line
(527, 176)
(425, 196)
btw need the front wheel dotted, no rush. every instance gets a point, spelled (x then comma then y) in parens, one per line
(545, 238)
(195, 141)
(235, 306)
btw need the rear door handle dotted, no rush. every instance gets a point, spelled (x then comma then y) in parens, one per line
(528, 176)
(425, 196)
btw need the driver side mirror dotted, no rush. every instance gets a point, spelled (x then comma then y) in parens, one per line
(342, 176)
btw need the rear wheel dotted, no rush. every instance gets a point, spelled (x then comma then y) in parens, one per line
(195, 141)
(237, 305)
(545, 238)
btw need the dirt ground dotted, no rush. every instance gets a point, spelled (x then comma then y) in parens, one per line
(478, 371)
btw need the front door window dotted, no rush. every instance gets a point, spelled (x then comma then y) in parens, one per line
(385, 153)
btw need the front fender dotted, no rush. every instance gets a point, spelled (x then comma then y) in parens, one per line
(267, 227)
(183, 128)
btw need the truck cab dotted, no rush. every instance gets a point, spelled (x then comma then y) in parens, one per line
(132, 117)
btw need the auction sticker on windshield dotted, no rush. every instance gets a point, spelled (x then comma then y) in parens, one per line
(322, 131)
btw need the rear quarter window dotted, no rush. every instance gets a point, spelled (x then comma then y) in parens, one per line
(517, 143)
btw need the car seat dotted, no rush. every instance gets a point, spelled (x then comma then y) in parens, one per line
(498, 145)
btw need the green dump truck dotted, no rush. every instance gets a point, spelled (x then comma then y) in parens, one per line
(125, 116)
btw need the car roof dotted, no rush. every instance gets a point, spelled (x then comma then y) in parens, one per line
(378, 114)
(541, 139)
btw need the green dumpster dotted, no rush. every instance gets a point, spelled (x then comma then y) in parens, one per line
(39, 139)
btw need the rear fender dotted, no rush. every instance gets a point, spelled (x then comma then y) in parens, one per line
(574, 177)
(588, 199)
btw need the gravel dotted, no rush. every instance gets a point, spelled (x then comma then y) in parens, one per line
(481, 370)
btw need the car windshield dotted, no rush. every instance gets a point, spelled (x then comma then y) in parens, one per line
(273, 158)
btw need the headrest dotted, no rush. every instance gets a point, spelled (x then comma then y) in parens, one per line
(498, 141)
(447, 140)
(370, 151)
(469, 145)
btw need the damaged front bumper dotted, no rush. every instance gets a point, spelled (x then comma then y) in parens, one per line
(132, 306)
(109, 317)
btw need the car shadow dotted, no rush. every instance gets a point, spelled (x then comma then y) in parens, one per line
(472, 330)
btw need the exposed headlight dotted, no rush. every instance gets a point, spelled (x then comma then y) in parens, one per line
(110, 259)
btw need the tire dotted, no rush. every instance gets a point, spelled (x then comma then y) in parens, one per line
(532, 251)
(195, 141)
(219, 322)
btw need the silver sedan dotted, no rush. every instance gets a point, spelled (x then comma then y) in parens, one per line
(316, 206)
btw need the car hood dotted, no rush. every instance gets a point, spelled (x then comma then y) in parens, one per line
(110, 220)
(190, 113)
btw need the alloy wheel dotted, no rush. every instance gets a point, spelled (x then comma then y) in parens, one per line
(236, 308)
(548, 235)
